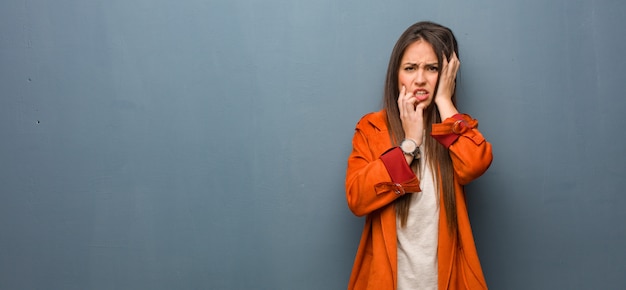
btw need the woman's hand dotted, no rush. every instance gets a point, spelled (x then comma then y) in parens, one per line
(411, 115)
(447, 83)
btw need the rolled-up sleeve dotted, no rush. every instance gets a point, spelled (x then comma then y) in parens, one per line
(374, 181)
(470, 153)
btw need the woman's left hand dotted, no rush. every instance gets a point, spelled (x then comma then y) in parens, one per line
(447, 78)
(447, 83)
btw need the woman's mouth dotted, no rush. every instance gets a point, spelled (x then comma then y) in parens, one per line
(421, 95)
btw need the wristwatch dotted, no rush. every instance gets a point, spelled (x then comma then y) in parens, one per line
(409, 147)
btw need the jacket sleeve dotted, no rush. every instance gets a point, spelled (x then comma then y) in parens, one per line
(470, 152)
(373, 182)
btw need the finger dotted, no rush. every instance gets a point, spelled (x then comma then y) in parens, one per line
(445, 66)
(404, 103)
(419, 108)
(451, 66)
(454, 61)
(455, 57)
(401, 99)
(409, 104)
(401, 95)
(406, 100)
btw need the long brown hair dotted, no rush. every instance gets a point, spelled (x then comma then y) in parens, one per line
(444, 43)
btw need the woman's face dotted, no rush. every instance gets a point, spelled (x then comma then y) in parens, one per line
(419, 70)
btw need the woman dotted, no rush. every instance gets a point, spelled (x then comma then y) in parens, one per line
(407, 170)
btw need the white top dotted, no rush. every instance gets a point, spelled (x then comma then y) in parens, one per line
(418, 240)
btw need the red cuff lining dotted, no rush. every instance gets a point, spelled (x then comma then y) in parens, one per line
(447, 139)
(396, 165)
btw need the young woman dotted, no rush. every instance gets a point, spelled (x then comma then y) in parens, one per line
(407, 170)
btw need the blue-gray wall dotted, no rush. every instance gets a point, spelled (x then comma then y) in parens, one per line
(202, 144)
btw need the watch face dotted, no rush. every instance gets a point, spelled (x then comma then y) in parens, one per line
(408, 146)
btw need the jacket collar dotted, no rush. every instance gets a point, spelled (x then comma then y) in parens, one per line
(378, 120)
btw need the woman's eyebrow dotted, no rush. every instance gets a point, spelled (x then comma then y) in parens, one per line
(426, 64)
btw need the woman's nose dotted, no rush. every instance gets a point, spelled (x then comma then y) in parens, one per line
(419, 78)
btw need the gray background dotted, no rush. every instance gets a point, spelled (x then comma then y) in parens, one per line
(202, 144)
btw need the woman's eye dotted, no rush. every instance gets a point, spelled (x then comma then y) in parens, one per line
(409, 68)
(433, 68)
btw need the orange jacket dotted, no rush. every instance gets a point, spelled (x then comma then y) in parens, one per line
(377, 174)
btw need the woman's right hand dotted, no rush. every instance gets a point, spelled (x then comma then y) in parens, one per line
(411, 115)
